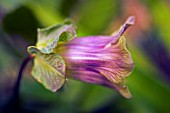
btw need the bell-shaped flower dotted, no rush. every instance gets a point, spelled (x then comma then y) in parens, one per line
(102, 60)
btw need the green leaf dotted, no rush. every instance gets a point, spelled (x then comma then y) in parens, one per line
(49, 69)
(48, 38)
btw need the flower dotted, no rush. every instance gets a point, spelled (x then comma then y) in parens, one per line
(102, 60)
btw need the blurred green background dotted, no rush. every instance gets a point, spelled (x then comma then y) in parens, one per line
(148, 41)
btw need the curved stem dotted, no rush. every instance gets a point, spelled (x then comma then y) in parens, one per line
(14, 103)
(18, 81)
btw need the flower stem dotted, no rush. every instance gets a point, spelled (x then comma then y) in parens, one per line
(14, 103)
(15, 95)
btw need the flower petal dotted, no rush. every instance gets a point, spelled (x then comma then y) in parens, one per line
(101, 41)
(102, 60)
(48, 38)
(92, 76)
(49, 69)
(130, 21)
(119, 64)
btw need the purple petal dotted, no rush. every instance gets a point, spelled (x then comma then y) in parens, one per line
(102, 60)
(94, 77)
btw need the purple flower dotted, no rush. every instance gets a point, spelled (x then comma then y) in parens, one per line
(102, 60)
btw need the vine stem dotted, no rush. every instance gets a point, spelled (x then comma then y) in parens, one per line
(15, 96)
(14, 103)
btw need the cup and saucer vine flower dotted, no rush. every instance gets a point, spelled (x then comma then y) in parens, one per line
(102, 60)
